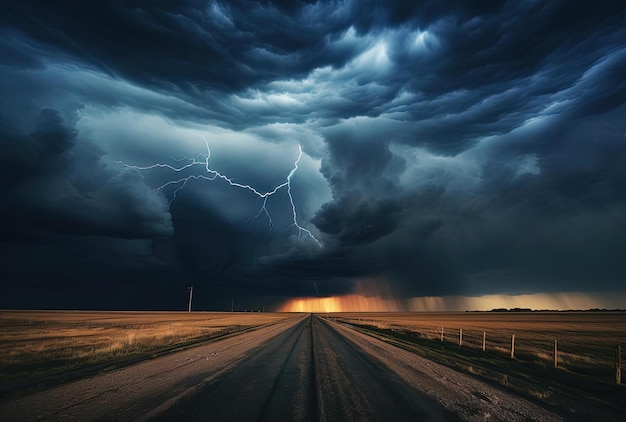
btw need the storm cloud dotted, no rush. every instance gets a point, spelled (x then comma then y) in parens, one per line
(447, 148)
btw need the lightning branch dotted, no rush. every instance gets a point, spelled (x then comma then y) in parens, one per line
(211, 175)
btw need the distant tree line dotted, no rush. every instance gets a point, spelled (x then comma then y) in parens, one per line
(551, 310)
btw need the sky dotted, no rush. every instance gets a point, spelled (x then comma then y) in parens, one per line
(396, 155)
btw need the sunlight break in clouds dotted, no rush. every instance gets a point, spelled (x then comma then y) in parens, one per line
(539, 301)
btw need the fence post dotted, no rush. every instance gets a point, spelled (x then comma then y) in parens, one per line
(512, 346)
(484, 341)
(556, 354)
(618, 365)
(460, 336)
(442, 333)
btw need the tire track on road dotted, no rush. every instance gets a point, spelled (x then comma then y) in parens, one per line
(302, 369)
(364, 389)
(259, 387)
(146, 389)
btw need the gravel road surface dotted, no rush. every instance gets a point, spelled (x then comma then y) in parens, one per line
(301, 369)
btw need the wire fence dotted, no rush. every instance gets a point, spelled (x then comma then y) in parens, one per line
(589, 350)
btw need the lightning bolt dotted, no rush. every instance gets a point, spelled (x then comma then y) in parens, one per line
(212, 175)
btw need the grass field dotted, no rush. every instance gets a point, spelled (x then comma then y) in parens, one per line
(36, 344)
(586, 340)
(583, 386)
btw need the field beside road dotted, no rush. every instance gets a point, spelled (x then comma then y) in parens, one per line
(341, 366)
(582, 383)
(586, 340)
(37, 345)
(298, 369)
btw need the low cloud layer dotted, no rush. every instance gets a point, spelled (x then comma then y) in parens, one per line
(447, 149)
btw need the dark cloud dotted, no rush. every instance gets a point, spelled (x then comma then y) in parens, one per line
(207, 45)
(359, 161)
(353, 221)
(56, 183)
(463, 148)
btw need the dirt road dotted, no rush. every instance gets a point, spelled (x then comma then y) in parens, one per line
(296, 370)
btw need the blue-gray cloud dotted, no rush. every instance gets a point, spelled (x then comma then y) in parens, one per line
(448, 148)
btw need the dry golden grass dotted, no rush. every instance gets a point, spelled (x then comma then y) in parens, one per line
(34, 343)
(586, 340)
(583, 387)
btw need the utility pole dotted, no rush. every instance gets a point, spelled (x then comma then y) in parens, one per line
(190, 288)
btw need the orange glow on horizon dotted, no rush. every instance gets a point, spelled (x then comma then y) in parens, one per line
(338, 304)
(361, 303)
